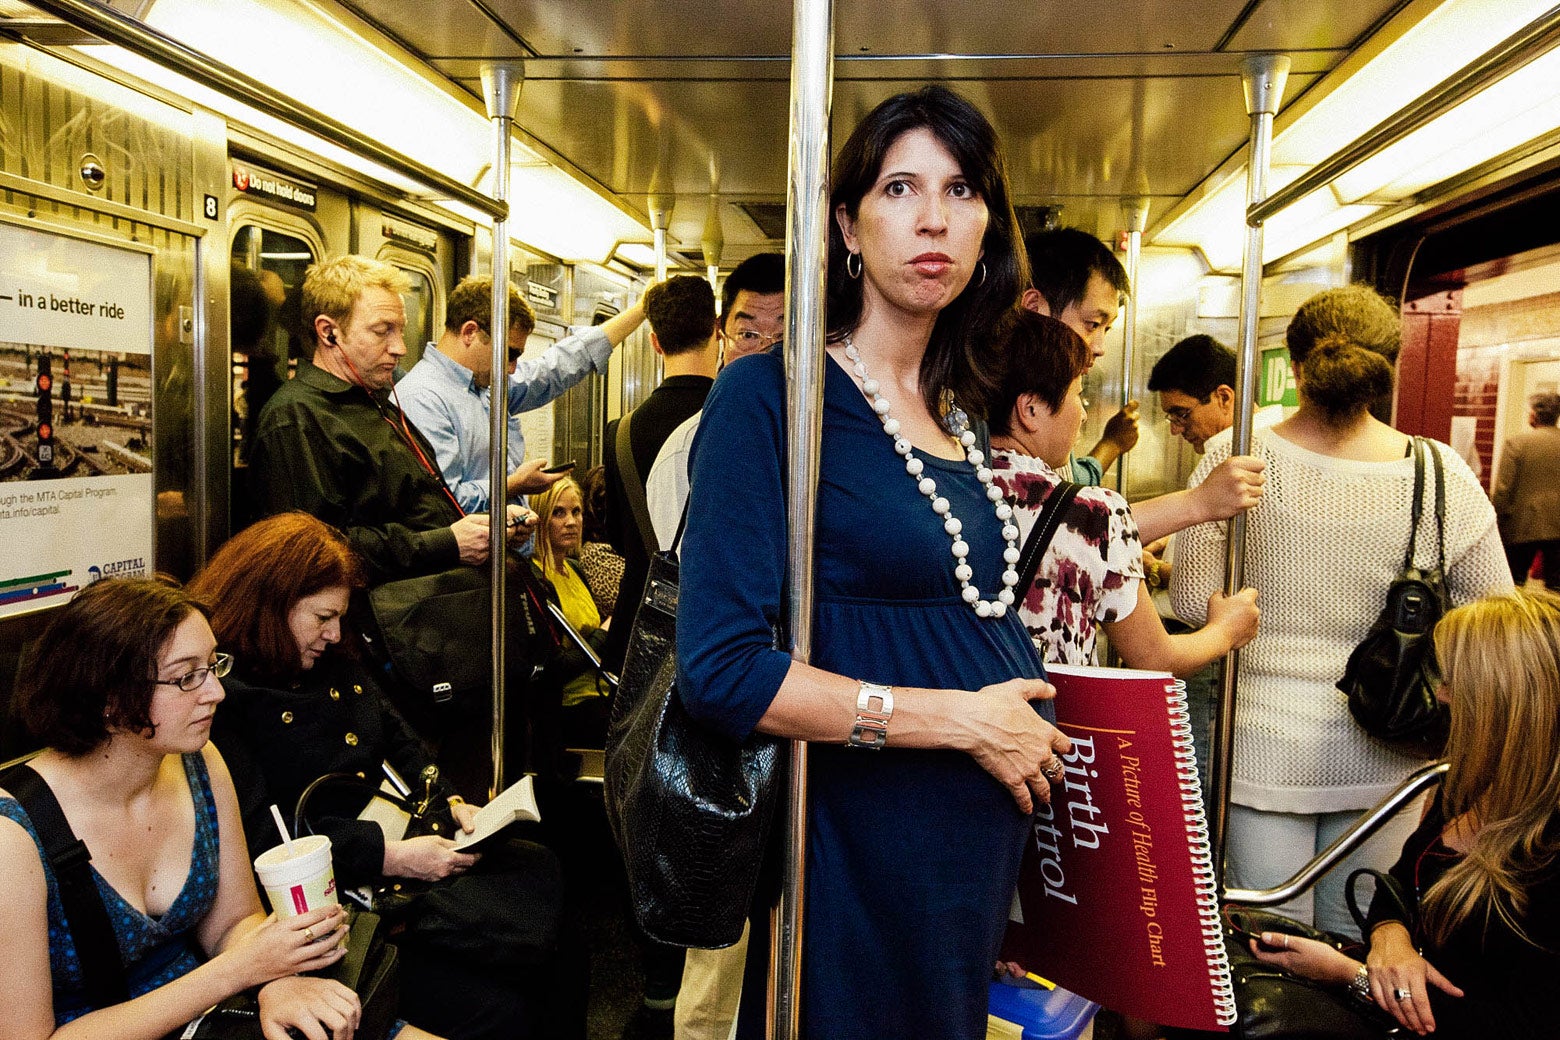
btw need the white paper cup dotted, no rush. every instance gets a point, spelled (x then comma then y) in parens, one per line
(298, 880)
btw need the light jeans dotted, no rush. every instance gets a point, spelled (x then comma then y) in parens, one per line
(1266, 848)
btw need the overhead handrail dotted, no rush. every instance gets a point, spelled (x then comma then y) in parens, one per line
(1418, 782)
(112, 26)
(1532, 41)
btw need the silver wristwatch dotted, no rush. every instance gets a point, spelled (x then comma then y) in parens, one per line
(874, 707)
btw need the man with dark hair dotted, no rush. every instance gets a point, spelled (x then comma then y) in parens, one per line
(1079, 282)
(446, 394)
(753, 306)
(1195, 381)
(1527, 493)
(681, 311)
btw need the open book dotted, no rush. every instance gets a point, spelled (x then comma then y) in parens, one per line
(517, 802)
(1115, 897)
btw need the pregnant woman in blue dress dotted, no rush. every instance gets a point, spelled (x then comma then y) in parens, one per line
(915, 833)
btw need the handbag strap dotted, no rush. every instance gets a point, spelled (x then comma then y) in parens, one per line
(1420, 447)
(1040, 535)
(102, 968)
(1386, 886)
(1417, 509)
(634, 486)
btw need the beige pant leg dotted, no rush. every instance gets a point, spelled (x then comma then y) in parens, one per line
(711, 992)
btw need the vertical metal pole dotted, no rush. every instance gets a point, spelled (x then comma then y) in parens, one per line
(501, 83)
(806, 275)
(1262, 77)
(712, 242)
(1135, 208)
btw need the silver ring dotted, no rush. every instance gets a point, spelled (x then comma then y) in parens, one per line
(1053, 771)
(1401, 994)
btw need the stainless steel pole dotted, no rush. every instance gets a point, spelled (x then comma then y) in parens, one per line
(1135, 208)
(501, 82)
(1262, 77)
(136, 37)
(807, 245)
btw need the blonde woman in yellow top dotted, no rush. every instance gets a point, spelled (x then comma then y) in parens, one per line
(556, 557)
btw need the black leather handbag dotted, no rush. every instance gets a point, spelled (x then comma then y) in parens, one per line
(1391, 677)
(689, 807)
(434, 629)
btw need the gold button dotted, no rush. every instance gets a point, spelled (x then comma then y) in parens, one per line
(335, 694)
(287, 718)
(356, 688)
(362, 775)
(351, 739)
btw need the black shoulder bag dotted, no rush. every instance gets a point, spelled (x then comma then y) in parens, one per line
(1041, 535)
(1391, 676)
(690, 808)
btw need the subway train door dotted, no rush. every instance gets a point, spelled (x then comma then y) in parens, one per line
(268, 264)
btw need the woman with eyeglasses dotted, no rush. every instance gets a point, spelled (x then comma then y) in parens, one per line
(927, 749)
(1322, 547)
(302, 705)
(122, 686)
(1474, 949)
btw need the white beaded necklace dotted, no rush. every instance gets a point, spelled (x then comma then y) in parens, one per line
(958, 422)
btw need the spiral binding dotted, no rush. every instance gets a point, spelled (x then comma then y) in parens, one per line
(1190, 787)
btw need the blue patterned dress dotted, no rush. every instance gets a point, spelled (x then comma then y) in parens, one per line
(156, 950)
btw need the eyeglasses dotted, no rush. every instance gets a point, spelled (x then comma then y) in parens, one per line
(1178, 416)
(752, 339)
(191, 681)
(514, 354)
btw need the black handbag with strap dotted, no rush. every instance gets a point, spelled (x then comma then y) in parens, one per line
(1391, 676)
(690, 808)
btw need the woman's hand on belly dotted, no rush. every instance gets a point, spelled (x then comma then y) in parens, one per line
(1001, 730)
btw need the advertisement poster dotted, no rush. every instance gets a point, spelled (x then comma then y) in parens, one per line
(75, 415)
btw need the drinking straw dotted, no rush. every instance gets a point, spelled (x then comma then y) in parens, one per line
(276, 814)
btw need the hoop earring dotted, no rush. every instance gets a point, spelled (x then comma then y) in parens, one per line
(848, 258)
(982, 280)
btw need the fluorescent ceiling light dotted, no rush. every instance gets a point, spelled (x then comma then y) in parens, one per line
(636, 253)
(1517, 109)
(1491, 122)
(1438, 45)
(324, 64)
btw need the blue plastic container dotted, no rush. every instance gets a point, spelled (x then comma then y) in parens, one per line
(1043, 1014)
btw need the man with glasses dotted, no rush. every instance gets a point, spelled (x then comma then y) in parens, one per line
(446, 394)
(753, 306)
(1195, 381)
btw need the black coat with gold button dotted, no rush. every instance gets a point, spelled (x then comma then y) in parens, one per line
(277, 737)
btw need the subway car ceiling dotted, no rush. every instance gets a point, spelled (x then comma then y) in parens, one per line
(632, 108)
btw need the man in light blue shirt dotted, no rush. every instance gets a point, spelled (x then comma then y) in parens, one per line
(445, 395)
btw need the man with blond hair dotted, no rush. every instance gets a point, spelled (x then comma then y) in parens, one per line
(333, 443)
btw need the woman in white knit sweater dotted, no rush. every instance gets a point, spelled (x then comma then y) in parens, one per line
(1322, 547)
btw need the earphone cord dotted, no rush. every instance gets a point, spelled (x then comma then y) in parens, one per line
(401, 428)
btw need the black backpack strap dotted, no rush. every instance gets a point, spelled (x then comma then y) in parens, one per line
(102, 968)
(634, 487)
(1040, 536)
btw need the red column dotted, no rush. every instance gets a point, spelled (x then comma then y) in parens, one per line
(1427, 366)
